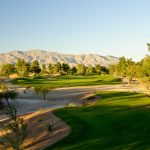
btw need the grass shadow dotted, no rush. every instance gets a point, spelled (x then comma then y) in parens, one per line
(108, 126)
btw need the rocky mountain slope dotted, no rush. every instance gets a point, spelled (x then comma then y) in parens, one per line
(45, 57)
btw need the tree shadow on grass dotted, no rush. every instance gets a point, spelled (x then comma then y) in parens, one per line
(107, 127)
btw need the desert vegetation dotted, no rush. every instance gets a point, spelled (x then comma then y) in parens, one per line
(74, 75)
(105, 123)
(127, 68)
(14, 132)
(24, 69)
(111, 122)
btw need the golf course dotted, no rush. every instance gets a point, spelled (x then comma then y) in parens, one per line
(75, 75)
(119, 120)
(69, 81)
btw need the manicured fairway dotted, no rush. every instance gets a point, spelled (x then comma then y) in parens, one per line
(67, 81)
(119, 121)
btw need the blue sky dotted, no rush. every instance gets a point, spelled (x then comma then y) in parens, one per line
(105, 27)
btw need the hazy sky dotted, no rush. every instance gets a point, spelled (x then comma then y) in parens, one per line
(106, 27)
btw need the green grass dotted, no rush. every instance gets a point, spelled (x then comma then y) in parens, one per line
(67, 81)
(119, 121)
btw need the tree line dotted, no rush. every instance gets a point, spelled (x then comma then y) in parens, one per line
(129, 69)
(23, 69)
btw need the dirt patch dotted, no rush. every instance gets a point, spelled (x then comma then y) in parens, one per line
(39, 137)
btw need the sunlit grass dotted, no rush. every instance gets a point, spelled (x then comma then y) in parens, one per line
(67, 81)
(118, 121)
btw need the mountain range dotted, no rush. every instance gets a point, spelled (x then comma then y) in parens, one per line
(45, 57)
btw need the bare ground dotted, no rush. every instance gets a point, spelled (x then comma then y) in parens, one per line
(39, 137)
(29, 101)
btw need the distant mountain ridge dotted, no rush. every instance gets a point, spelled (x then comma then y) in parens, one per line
(45, 57)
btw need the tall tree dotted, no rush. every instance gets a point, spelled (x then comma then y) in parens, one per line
(121, 67)
(112, 69)
(90, 70)
(146, 71)
(7, 69)
(81, 69)
(73, 70)
(35, 68)
(22, 68)
(98, 69)
(131, 69)
(65, 67)
(57, 67)
(44, 69)
(126, 68)
(50, 68)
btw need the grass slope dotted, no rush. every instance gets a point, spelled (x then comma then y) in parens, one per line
(65, 81)
(119, 121)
